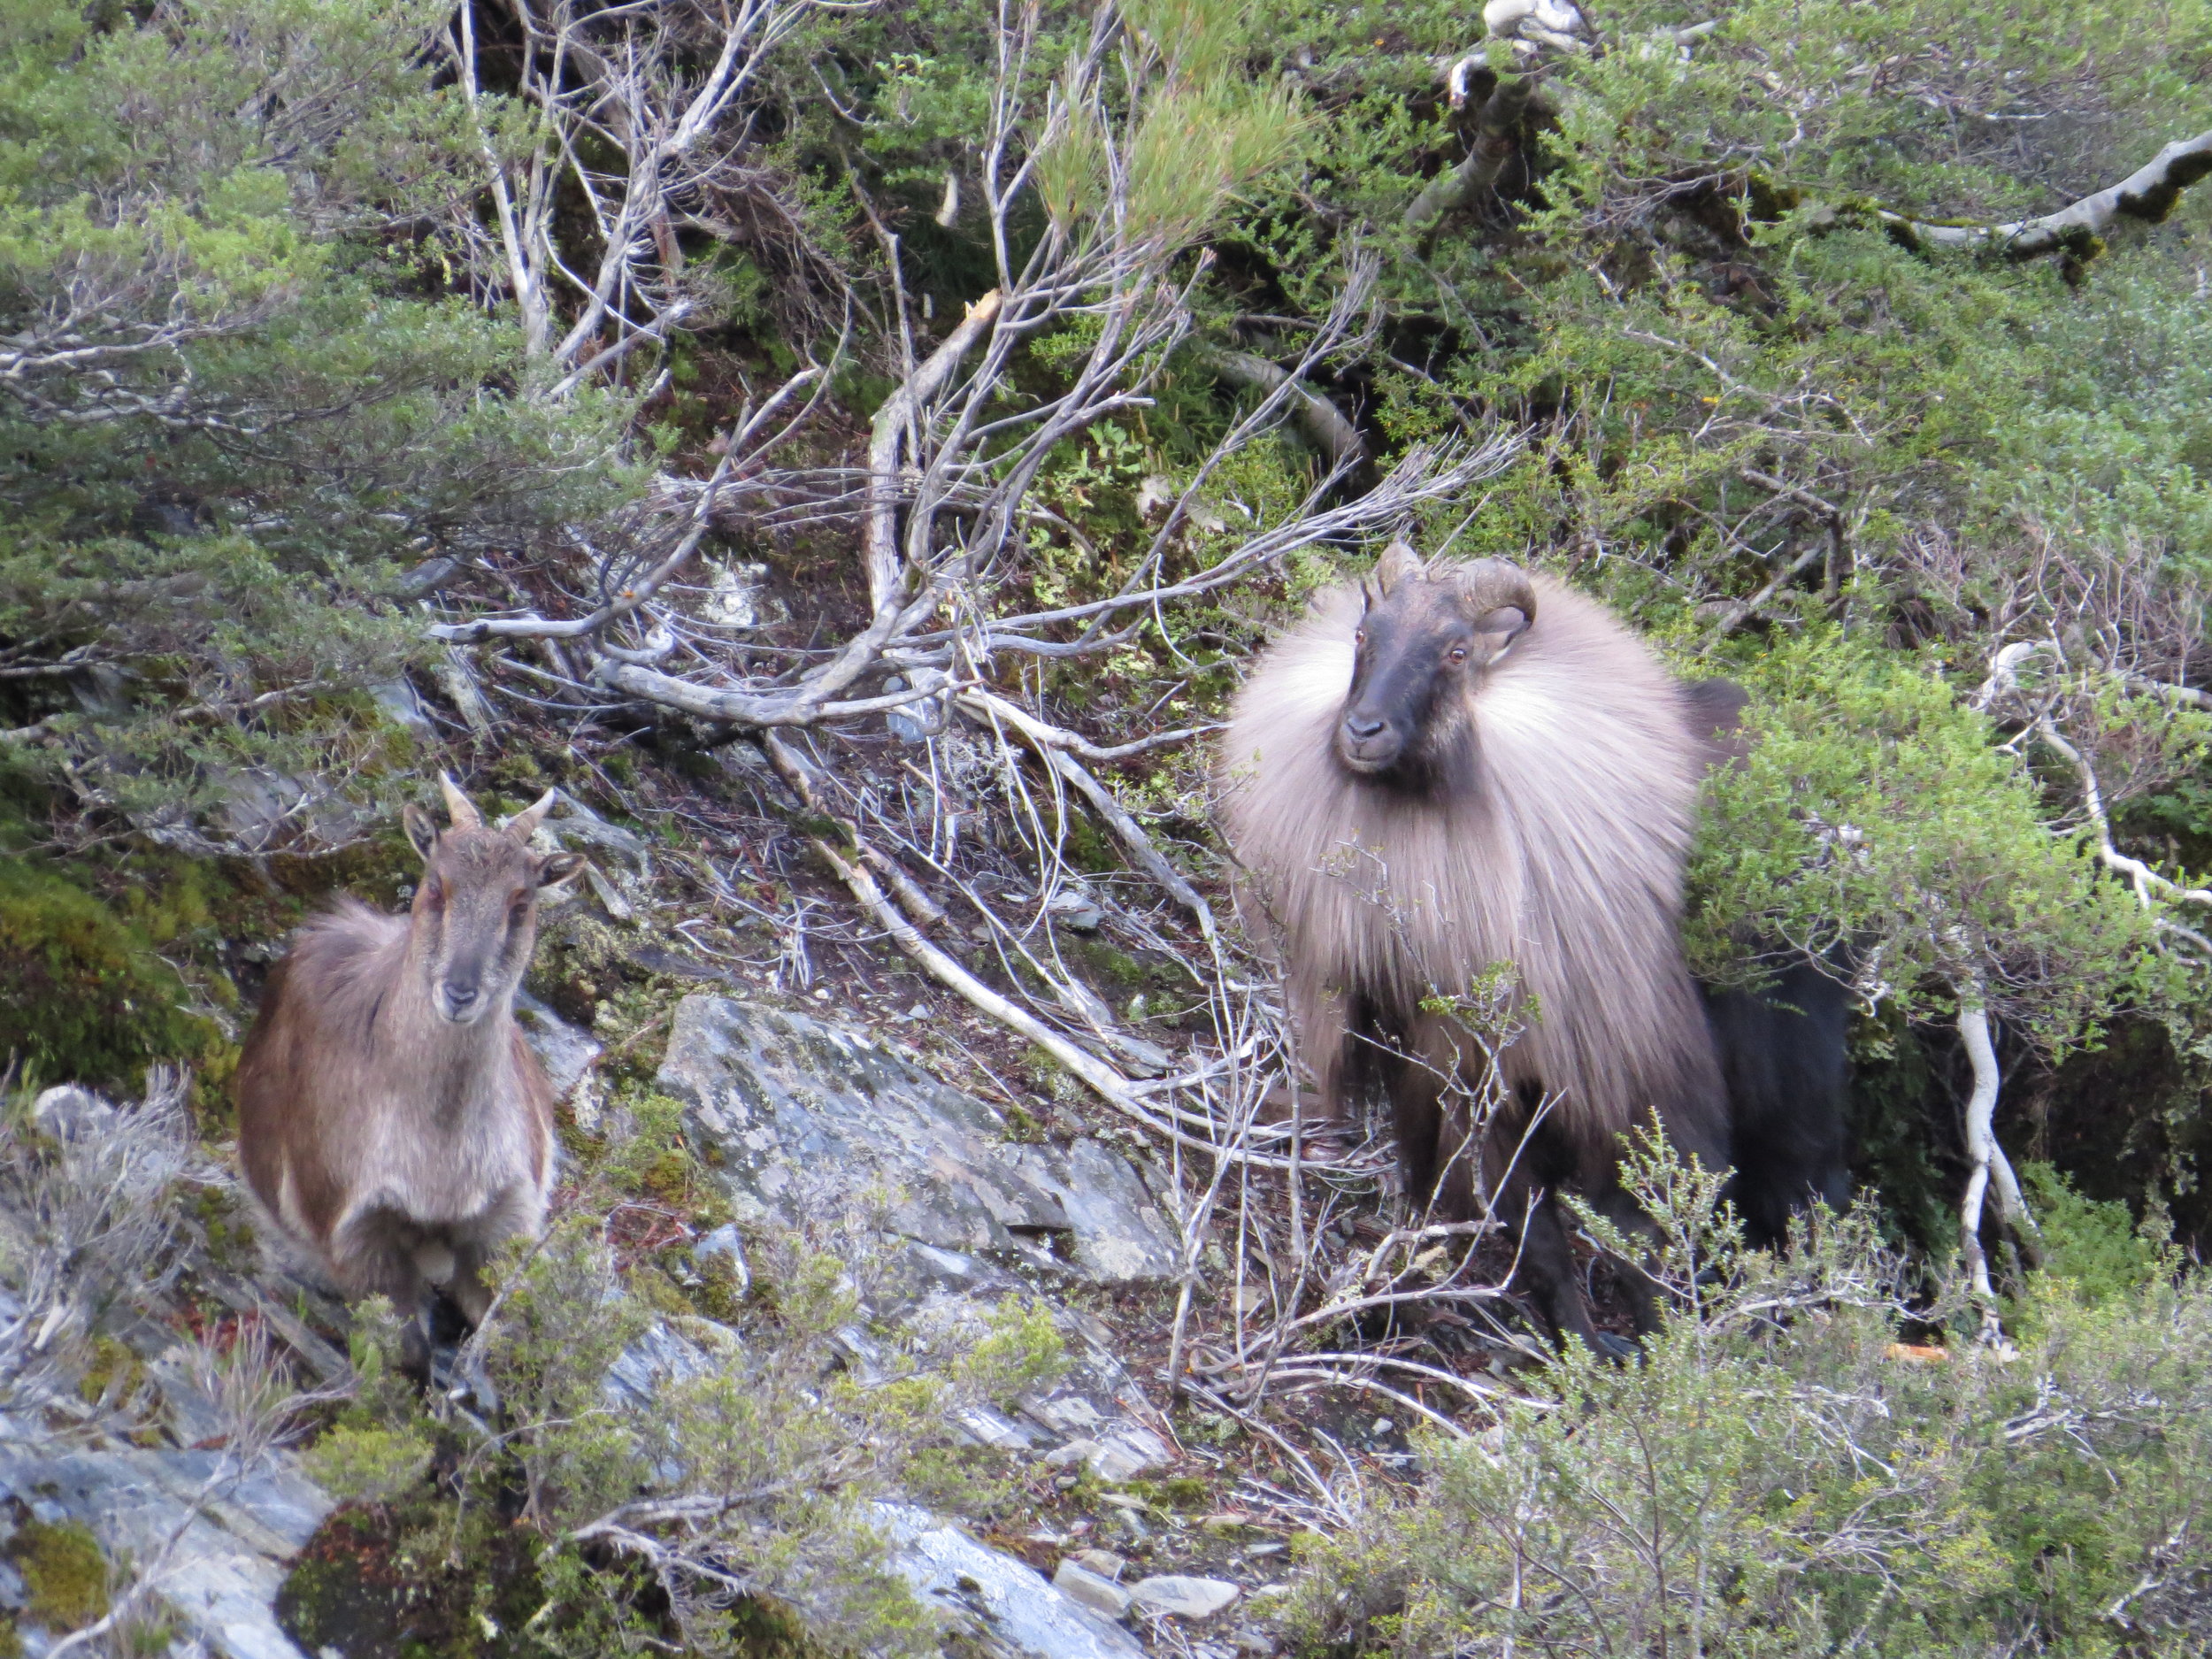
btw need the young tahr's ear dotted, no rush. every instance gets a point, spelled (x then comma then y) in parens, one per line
(1399, 563)
(420, 831)
(556, 871)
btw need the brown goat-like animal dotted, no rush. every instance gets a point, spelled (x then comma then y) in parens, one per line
(1443, 770)
(392, 1123)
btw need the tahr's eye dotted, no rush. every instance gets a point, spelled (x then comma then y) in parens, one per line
(434, 892)
(1359, 637)
(1458, 655)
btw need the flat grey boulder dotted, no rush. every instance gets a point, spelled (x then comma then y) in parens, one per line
(807, 1117)
(1172, 1595)
(1005, 1607)
(1093, 1590)
(218, 1570)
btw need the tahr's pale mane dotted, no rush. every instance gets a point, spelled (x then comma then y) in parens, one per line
(1559, 850)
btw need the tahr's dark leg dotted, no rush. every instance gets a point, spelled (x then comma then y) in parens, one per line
(1416, 1115)
(1524, 1173)
(1785, 1054)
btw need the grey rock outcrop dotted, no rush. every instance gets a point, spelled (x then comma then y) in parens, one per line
(215, 1547)
(810, 1117)
(1005, 1607)
(565, 1052)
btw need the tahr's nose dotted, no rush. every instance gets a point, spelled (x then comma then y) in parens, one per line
(460, 998)
(1362, 725)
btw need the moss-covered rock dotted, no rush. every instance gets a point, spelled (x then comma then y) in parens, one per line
(65, 1575)
(88, 997)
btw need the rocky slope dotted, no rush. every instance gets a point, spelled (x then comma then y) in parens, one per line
(798, 1121)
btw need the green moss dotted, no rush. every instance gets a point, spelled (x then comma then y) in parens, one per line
(1109, 969)
(581, 962)
(87, 995)
(64, 1571)
(518, 772)
(114, 1373)
(1087, 847)
(651, 1159)
(719, 1298)
(658, 1291)
(231, 1245)
(1186, 1492)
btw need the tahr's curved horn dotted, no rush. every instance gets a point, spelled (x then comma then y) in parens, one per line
(459, 807)
(1399, 563)
(1485, 584)
(524, 824)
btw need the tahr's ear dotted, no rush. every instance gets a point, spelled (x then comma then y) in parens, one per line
(1497, 629)
(1399, 563)
(420, 831)
(1499, 599)
(556, 871)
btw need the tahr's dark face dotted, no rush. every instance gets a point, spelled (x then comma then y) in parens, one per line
(1420, 648)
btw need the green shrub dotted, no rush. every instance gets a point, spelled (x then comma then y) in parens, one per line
(88, 997)
(1778, 1477)
(369, 1465)
(2096, 1248)
(764, 1467)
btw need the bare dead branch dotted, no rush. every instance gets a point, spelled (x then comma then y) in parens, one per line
(1983, 1153)
(1053, 747)
(2003, 681)
(1496, 136)
(2147, 195)
(890, 435)
(1324, 425)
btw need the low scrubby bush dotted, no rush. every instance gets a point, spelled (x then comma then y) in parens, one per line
(1781, 1477)
(733, 1512)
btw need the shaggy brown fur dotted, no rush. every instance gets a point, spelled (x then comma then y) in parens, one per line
(1533, 807)
(392, 1123)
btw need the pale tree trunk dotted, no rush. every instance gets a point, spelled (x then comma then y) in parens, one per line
(1991, 1170)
